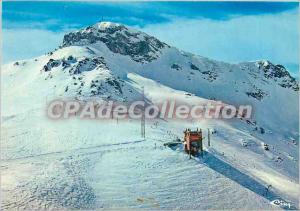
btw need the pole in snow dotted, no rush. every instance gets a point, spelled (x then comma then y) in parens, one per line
(143, 131)
(208, 137)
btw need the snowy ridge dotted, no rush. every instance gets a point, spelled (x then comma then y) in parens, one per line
(100, 168)
(119, 39)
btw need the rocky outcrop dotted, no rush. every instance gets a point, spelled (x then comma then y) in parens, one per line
(118, 39)
(279, 74)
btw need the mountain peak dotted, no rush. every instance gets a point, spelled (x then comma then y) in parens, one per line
(119, 39)
(105, 25)
(279, 73)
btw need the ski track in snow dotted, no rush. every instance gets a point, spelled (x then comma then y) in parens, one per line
(129, 181)
(136, 173)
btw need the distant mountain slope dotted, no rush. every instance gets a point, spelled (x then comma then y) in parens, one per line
(95, 61)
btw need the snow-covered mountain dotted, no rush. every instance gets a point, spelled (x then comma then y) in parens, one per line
(111, 61)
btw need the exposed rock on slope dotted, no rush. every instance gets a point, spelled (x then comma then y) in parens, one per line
(119, 39)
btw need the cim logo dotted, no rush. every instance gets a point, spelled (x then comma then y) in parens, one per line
(281, 203)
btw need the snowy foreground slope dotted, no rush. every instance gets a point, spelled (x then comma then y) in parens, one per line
(92, 164)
